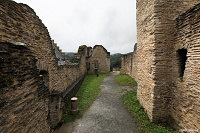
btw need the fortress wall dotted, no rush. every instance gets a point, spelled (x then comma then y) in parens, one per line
(24, 97)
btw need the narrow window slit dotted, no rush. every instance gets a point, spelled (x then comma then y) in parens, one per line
(182, 58)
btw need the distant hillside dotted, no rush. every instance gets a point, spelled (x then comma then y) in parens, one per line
(69, 55)
(115, 60)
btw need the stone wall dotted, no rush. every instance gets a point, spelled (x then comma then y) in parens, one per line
(185, 105)
(19, 23)
(126, 64)
(156, 24)
(100, 56)
(165, 14)
(129, 63)
(145, 51)
(168, 87)
(24, 97)
(52, 73)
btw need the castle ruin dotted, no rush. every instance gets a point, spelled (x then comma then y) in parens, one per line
(98, 60)
(36, 79)
(166, 62)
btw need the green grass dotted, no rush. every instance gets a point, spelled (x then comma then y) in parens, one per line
(125, 80)
(138, 113)
(87, 93)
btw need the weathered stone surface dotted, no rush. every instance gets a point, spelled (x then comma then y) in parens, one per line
(19, 23)
(100, 56)
(162, 31)
(22, 105)
(34, 74)
(185, 107)
(126, 64)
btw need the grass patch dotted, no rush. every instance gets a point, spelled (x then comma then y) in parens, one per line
(125, 80)
(87, 93)
(137, 111)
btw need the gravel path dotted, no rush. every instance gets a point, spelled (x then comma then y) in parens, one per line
(106, 115)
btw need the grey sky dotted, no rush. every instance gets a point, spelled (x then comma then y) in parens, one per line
(71, 23)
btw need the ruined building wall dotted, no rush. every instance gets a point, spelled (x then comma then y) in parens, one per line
(145, 54)
(126, 64)
(135, 66)
(129, 63)
(185, 105)
(123, 65)
(165, 14)
(19, 23)
(156, 24)
(24, 97)
(155, 63)
(100, 55)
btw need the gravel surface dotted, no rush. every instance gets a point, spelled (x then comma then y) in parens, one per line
(106, 115)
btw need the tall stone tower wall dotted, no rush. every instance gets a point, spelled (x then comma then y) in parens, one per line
(186, 86)
(160, 35)
(145, 54)
(166, 13)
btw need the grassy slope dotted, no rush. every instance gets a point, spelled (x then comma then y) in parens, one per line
(87, 93)
(125, 80)
(137, 111)
(133, 105)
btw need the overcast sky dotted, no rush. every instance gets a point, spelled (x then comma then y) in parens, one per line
(71, 23)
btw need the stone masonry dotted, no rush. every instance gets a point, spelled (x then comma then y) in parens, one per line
(126, 64)
(98, 60)
(166, 62)
(36, 79)
(19, 23)
(24, 97)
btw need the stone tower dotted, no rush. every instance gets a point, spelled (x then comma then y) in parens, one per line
(156, 35)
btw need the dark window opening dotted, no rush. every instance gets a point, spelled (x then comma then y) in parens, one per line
(96, 65)
(45, 77)
(182, 57)
(88, 66)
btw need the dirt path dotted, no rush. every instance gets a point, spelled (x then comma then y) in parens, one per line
(106, 115)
